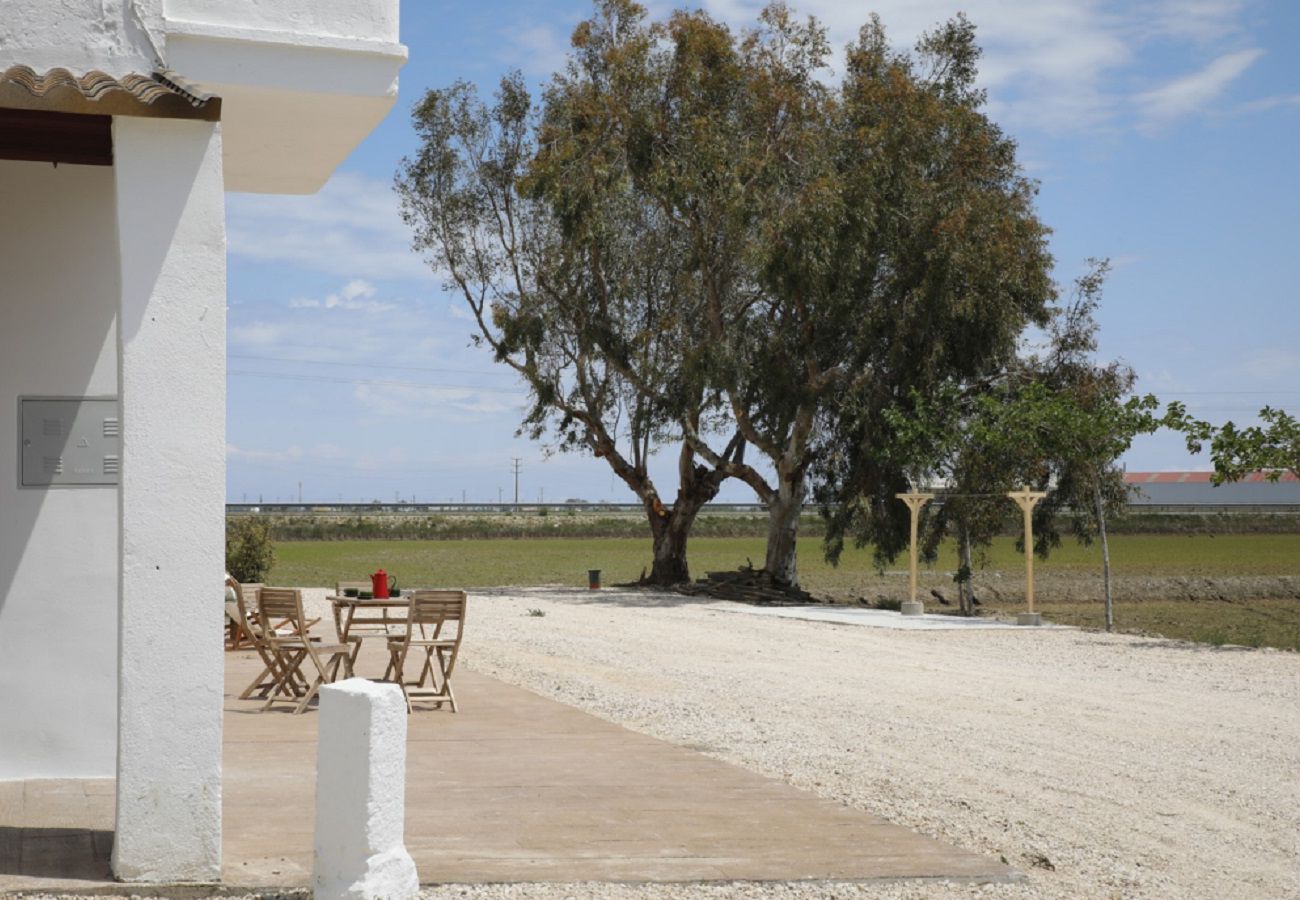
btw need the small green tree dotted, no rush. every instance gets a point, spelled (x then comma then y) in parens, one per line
(249, 550)
(1082, 416)
(1058, 421)
(1272, 447)
(965, 437)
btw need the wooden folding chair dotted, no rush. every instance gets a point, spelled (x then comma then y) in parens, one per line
(430, 617)
(246, 622)
(292, 650)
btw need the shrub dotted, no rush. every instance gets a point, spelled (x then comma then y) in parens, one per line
(249, 551)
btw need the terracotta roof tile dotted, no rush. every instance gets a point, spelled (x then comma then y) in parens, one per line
(97, 93)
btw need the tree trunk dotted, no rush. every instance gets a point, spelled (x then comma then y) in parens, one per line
(672, 528)
(1105, 555)
(671, 531)
(781, 563)
(669, 565)
(965, 574)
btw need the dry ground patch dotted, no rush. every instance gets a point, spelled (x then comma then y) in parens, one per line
(1100, 765)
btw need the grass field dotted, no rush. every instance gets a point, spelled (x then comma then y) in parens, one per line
(1254, 623)
(487, 563)
(566, 560)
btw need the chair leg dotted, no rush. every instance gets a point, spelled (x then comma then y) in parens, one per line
(289, 680)
(311, 692)
(445, 665)
(427, 669)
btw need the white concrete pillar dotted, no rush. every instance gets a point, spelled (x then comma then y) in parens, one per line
(171, 235)
(361, 794)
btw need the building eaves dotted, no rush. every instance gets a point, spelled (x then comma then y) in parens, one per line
(97, 93)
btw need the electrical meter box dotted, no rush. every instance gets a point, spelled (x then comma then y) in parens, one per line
(68, 441)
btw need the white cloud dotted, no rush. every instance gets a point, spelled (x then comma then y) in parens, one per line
(1264, 104)
(536, 50)
(1193, 93)
(419, 402)
(351, 228)
(1202, 21)
(458, 311)
(357, 294)
(1270, 363)
(260, 334)
(1049, 65)
(288, 454)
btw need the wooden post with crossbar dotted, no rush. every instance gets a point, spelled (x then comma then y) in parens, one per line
(1027, 500)
(915, 500)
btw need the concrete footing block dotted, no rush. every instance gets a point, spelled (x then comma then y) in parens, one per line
(912, 608)
(1029, 619)
(361, 794)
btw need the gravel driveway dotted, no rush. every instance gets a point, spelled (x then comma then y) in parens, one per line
(1101, 766)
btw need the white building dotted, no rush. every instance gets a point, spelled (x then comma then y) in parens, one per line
(122, 124)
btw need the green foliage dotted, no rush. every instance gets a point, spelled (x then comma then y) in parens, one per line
(568, 270)
(707, 237)
(1272, 447)
(249, 550)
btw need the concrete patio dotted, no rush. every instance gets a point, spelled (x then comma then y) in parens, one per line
(515, 787)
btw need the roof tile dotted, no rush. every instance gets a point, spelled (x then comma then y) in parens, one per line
(98, 93)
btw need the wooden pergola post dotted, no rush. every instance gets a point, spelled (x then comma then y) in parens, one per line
(915, 501)
(1027, 500)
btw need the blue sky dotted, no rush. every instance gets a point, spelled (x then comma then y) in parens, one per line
(1165, 135)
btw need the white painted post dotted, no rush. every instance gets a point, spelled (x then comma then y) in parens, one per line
(172, 368)
(361, 794)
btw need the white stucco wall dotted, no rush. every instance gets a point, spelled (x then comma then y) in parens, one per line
(58, 547)
(171, 233)
(359, 20)
(114, 36)
(302, 82)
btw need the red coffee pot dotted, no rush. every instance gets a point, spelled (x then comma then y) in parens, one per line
(381, 583)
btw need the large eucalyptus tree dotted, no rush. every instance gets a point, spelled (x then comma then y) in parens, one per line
(579, 304)
(708, 236)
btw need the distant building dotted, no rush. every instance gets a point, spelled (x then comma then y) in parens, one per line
(1195, 490)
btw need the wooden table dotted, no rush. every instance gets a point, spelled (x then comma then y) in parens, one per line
(371, 615)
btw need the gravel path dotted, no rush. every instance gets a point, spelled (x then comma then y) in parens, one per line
(1102, 766)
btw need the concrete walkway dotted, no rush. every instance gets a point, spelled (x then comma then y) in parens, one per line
(514, 787)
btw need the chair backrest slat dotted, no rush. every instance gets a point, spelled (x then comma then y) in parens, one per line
(281, 603)
(436, 607)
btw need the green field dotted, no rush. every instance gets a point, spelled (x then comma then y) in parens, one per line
(484, 563)
(487, 563)
(1253, 623)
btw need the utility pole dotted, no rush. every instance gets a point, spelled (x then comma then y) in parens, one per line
(462, 496)
(516, 464)
(300, 493)
(499, 492)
